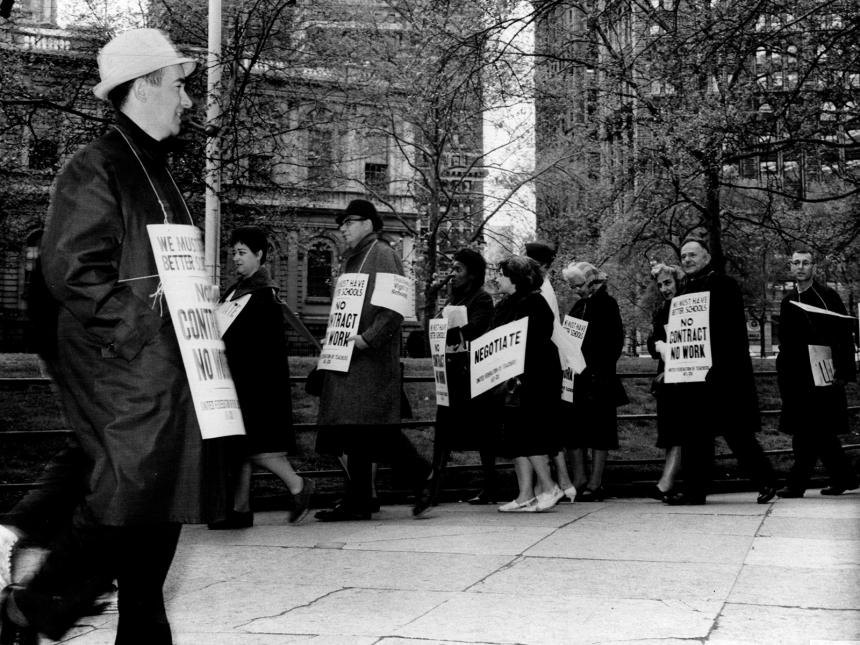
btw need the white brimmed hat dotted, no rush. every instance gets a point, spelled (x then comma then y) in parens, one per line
(136, 53)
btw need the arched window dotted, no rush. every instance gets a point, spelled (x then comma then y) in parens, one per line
(320, 259)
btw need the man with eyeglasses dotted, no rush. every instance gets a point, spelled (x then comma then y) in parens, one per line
(814, 410)
(359, 411)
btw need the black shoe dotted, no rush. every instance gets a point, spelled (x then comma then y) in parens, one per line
(341, 513)
(591, 495)
(682, 499)
(790, 493)
(11, 633)
(481, 499)
(766, 494)
(301, 502)
(835, 490)
(423, 503)
(656, 493)
(374, 505)
(234, 520)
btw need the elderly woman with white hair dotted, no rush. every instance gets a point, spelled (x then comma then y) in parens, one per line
(596, 390)
(668, 279)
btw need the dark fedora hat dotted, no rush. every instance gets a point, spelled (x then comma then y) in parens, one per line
(542, 252)
(363, 209)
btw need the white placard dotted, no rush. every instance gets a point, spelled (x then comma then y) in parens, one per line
(227, 311)
(688, 335)
(574, 330)
(396, 292)
(457, 315)
(178, 251)
(343, 321)
(821, 363)
(498, 355)
(819, 310)
(438, 331)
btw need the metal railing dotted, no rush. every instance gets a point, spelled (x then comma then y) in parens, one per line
(16, 383)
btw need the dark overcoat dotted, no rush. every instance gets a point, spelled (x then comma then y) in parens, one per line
(119, 368)
(805, 406)
(258, 358)
(531, 428)
(597, 390)
(727, 400)
(467, 423)
(369, 393)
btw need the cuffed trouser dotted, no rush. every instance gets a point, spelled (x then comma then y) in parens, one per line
(387, 445)
(82, 558)
(697, 459)
(808, 446)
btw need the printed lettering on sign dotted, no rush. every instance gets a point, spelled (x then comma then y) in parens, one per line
(438, 332)
(178, 251)
(343, 322)
(575, 329)
(688, 338)
(498, 355)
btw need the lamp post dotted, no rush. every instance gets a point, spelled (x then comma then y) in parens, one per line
(213, 145)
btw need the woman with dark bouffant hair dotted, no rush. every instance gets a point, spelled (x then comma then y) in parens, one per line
(528, 419)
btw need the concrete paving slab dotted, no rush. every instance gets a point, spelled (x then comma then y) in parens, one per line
(626, 543)
(815, 505)
(756, 624)
(354, 612)
(641, 518)
(532, 620)
(335, 568)
(833, 528)
(798, 587)
(804, 552)
(608, 579)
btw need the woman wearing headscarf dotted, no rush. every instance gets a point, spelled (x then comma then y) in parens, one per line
(463, 425)
(668, 279)
(596, 390)
(529, 419)
(256, 349)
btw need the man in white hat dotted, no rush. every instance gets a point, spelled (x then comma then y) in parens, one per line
(117, 363)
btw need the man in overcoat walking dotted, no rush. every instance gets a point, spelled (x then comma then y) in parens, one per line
(359, 409)
(814, 411)
(726, 403)
(118, 366)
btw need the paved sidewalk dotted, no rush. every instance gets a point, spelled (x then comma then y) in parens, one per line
(620, 571)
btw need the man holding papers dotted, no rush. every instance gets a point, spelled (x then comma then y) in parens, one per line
(816, 359)
(360, 400)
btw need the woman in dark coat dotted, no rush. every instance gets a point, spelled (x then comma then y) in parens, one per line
(597, 390)
(529, 424)
(463, 425)
(257, 354)
(670, 425)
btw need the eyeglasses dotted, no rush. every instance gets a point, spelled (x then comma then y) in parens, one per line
(350, 220)
(801, 263)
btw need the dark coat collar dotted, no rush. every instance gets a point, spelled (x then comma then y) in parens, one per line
(259, 280)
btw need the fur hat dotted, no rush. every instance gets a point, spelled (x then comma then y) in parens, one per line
(541, 252)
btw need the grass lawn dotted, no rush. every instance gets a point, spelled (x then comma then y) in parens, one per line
(35, 408)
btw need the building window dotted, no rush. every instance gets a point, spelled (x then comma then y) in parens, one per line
(320, 142)
(43, 154)
(320, 259)
(259, 168)
(376, 178)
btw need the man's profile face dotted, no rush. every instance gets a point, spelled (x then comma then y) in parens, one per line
(802, 266)
(166, 102)
(355, 229)
(694, 257)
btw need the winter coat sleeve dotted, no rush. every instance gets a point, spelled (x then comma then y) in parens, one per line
(379, 325)
(85, 233)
